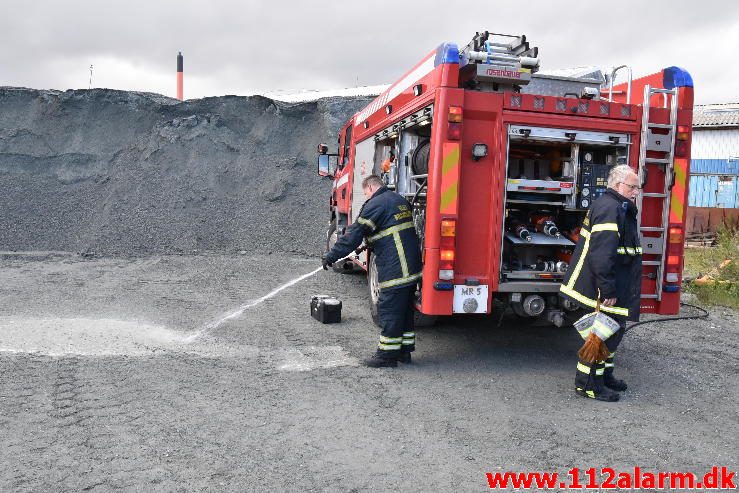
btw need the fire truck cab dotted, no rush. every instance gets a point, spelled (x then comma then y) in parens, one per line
(501, 162)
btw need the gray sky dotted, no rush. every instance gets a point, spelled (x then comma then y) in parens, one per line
(246, 47)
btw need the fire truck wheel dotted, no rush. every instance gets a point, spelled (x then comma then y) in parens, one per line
(331, 237)
(374, 288)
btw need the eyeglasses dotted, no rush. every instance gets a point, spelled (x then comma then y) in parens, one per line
(631, 187)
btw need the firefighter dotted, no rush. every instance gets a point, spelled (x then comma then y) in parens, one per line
(387, 163)
(607, 259)
(386, 223)
(386, 169)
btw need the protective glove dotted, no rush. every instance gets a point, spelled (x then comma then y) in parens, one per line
(324, 261)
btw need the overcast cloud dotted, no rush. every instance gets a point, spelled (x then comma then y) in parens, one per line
(249, 47)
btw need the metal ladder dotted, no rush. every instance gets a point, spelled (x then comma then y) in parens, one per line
(657, 245)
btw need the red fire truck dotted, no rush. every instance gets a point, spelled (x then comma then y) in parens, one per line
(501, 163)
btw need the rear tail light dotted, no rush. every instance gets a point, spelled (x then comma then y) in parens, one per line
(455, 123)
(454, 132)
(447, 249)
(455, 114)
(675, 236)
(681, 141)
(448, 228)
(674, 254)
(681, 148)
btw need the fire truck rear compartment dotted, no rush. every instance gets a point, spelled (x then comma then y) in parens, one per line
(549, 187)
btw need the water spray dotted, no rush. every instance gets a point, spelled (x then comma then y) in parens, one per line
(252, 303)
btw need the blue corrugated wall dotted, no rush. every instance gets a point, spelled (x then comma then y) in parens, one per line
(718, 188)
(714, 191)
(714, 166)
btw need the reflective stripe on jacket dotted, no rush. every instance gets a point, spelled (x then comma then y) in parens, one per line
(386, 222)
(607, 258)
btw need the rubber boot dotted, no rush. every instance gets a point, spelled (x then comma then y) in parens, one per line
(405, 357)
(589, 382)
(382, 359)
(608, 379)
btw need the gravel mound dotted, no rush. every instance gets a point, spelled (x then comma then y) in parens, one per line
(115, 172)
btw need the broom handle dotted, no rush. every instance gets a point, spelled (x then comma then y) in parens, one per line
(597, 303)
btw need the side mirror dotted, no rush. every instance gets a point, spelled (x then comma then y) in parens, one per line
(327, 164)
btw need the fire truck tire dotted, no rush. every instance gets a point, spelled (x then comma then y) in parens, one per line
(420, 158)
(331, 236)
(374, 288)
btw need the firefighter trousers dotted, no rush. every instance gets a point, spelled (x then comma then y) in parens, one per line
(612, 344)
(395, 312)
(590, 376)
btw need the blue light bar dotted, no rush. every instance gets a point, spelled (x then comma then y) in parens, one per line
(676, 77)
(443, 286)
(671, 288)
(446, 53)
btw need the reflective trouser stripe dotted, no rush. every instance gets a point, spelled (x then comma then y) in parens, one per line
(583, 368)
(388, 347)
(609, 361)
(390, 343)
(409, 338)
(589, 393)
(391, 340)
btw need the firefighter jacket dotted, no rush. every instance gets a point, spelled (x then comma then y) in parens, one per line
(386, 222)
(607, 257)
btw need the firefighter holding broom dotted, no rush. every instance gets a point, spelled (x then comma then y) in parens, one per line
(605, 276)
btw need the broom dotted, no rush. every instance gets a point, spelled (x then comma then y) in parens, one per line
(594, 349)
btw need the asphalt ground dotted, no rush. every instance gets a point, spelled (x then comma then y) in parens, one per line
(126, 374)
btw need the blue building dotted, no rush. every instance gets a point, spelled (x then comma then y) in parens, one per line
(714, 166)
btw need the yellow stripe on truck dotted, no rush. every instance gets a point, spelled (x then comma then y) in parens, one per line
(450, 178)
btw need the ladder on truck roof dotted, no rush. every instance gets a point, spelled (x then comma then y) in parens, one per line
(663, 143)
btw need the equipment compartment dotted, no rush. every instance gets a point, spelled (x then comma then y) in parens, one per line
(553, 176)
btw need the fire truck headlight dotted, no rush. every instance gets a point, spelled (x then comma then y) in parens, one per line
(479, 151)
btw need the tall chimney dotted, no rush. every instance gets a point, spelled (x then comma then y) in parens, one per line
(180, 94)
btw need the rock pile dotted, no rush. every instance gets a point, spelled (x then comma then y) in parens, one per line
(123, 173)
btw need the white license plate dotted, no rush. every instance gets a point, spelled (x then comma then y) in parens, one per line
(470, 299)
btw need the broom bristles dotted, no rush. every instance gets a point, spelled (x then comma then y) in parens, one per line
(593, 350)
